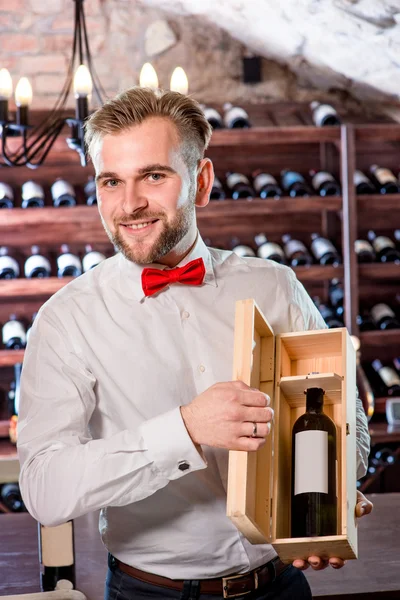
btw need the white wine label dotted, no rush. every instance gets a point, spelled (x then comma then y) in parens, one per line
(6, 191)
(379, 311)
(61, 188)
(381, 242)
(8, 262)
(322, 177)
(235, 178)
(269, 248)
(234, 113)
(290, 178)
(211, 113)
(13, 329)
(34, 262)
(323, 111)
(294, 246)
(243, 251)
(68, 260)
(384, 175)
(362, 246)
(56, 545)
(311, 462)
(263, 179)
(389, 376)
(321, 246)
(359, 177)
(30, 189)
(92, 259)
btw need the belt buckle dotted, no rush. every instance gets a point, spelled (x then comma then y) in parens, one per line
(226, 579)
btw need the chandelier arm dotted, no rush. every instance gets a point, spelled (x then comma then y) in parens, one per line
(96, 81)
(47, 149)
(39, 143)
(8, 161)
(26, 151)
(78, 11)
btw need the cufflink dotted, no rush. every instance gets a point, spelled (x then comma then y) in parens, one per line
(183, 465)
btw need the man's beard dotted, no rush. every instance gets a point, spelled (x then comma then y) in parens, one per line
(171, 234)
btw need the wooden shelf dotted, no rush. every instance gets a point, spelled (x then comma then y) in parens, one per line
(9, 358)
(379, 271)
(382, 433)
(377, 132)
(378, 202)
(9, 464)
(269, 206)
(261, 136)
(31, 288)
(318, 273)
(382, 344)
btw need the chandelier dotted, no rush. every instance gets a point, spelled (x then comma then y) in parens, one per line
(36, 142)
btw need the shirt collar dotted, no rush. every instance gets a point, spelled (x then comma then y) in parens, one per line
(131, 273)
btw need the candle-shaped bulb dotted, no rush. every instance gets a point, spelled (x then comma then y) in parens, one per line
(23, 92)
(148, 77)
(6, 86)
(179, 81)
(83, 84)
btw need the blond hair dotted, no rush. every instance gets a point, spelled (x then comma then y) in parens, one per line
(136, 104)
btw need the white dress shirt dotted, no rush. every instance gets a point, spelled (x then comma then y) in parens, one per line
(105, 372)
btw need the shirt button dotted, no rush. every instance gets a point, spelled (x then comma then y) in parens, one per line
(183, 465)
(202, 368)
(185, 314)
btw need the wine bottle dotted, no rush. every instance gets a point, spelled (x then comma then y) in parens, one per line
(294, 184)
(365, 322)
(385, 180)
(364, 251)
(217, 190)
(363, 184)
(36, 265)
(266, 186)
(396, 362)
(336, 295)
(91, 259)
(9, 267)
(6, 196)
(328, 314)
(90, 192)
(213, 117)
(235, 117)
(324, 251)
(32, 195)
(11, 497)
(324, 114)
(296, 252)
(363, 385)
(390, 378)
(68, 264)
(14, 334)
(384, 247)
(269, 250)
(384, 457)
(56, 555)
(314, 496)
(324, 183)
(239, 186)
(63, 193)
(384, 317)
(241, 249)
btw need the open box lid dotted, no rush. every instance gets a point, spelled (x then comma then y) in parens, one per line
(253, 363)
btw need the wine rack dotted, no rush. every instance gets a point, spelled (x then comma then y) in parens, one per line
(343, 219)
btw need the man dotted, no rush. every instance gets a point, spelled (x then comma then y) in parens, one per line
(127, 403)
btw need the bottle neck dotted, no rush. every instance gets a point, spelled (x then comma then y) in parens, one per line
(315, 400)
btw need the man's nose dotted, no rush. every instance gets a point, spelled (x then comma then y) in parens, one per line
(133, 199)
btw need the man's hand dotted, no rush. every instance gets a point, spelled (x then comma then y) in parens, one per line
(224, 415)
(363, 507)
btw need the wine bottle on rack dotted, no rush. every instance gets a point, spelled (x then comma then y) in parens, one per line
(266, 186)
(239, 186)
(314, 495)
(362, 184)
(10, 496)
(91, 259)
(213, 117)
(6, 196)
(384, 317)
(336, 295)
(324, 183)
(396, 362)
(324, 114)
(397, 237)
(385, 180)
(385, 248)
(90, 192)
(63, 193)
(235, 117)
(36, 265)
(390, 378)
(328, 314)
(296, 252)
(241, 249)
(269, 250)
(294, 184)
(56, 555)
(68, 264)
(324, 251)
(217, 190)
(32, 195)
(363, 385)
(364, 251)
(14, 334)
(365, 322)
(9, 267)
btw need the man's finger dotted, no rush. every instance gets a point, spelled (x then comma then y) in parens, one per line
(337, 563)
(302, 565)
(318, 563)
(363, 506)
(254, 398)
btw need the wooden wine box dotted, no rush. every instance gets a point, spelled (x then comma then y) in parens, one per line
(259, 483)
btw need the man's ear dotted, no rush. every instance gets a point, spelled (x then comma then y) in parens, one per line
(205, 180)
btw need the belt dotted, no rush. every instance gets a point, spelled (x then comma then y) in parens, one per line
(229, 587)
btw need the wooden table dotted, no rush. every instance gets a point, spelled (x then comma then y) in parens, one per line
(374, 576)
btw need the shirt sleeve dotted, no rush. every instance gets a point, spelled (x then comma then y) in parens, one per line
(64, 472)
(304, 316)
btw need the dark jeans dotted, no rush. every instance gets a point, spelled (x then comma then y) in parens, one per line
(290, 585)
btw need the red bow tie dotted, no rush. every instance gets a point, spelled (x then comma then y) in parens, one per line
(154, 280)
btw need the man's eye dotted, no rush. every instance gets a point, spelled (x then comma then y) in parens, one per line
(111, 183)
(156, 176)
